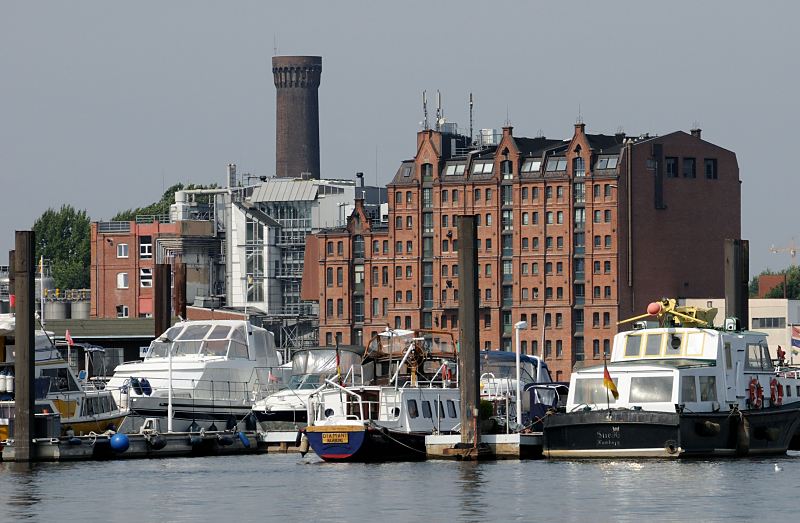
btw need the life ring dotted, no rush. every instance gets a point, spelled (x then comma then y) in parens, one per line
(447, 374)
(756, 393)
(775, 392)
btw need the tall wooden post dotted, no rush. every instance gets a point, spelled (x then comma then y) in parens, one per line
(469, 357)
(737, 272)
(179, 288)
(12, 299)
(24, 355)
(162, 307)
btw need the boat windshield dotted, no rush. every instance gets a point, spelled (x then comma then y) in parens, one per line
(503, 370)
(305, 381)
(201, 339)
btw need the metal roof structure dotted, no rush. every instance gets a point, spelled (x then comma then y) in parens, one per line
(285, 190)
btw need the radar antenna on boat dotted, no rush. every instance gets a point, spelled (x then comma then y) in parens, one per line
(669, 313)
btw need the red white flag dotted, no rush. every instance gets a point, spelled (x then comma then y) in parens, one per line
(69, 339)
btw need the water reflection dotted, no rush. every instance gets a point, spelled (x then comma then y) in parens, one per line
(471, 491)
(21, 493)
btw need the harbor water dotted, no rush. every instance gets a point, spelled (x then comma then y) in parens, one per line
(286, 487)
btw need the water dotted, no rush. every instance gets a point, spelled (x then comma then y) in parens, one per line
(286, 487)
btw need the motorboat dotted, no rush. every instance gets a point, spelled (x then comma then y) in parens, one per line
(83, 408)
(675, 387)
(209, 372)
(286, 409)
(414, 393)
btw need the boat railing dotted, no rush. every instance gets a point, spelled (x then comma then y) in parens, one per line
(349, 393)
(261, 383)
(497, 388)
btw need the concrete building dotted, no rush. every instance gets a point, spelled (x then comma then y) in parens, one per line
(573, 235)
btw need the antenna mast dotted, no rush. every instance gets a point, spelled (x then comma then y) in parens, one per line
(438, 110)
(470, 117)
(425, 110)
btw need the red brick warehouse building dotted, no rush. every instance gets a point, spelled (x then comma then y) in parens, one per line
(572, 236)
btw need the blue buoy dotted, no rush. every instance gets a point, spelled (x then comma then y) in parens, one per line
(119, 443)
(244, 439)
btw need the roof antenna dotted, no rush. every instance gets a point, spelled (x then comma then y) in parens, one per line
(424, 110)
(470, 117)
(274, 44)
(508, 121)
(580, 117)
(438, 110)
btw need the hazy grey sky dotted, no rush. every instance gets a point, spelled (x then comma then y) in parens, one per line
(103, 104)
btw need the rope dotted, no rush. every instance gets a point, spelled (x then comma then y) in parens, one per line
(386, 434)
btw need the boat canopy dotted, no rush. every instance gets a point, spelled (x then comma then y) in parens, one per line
(395, 342)
(203, 339)
(322, 360)
(502, 364)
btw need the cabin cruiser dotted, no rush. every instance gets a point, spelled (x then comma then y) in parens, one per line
(83, 408)
(286, 409)
(213, 371)
(413, 394)
(498, 385)
(675, 387)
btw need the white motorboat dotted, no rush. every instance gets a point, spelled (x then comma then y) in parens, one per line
(209, 372)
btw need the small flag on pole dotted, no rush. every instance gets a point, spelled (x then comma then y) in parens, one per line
(69, 339)
(608, 382)
(795, 340)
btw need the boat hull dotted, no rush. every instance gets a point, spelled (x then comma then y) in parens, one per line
(365, 444)
(202, 414)
(641, 434)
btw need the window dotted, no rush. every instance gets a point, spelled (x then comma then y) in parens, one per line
(535, 267)
(524, 269)
(398, 296)
(375, 276)
(444, 271)
(606, 319)
(548, 293)
(607, 267)
(578, 167)
(398, 247)
(409, 246)
(445, 196)
(597, 241)
(487, 320)
(560, 217)
(524, 244)
(607, 291)
(689, 168)
(548, 193)
(556, 164)
(548, 242)
(559, 320)
(340, 248)
(409, 194)
(488, 269)
(488, 220)
(598, 216)
(330, 248)
(525, 294)
(688, 389)
(711, 168)
(596, 292)
(122, 280)
(339, 276)
(607, 216)
(559, 243)
(671, 167)
(708, 388)
(408, 272)
(122, 250)
(409, 296)
(122, 311)
(548, 268)
(525, 218)
(146, 247)
(579, 192)
(607, 241)
(385, 306)
(329, 277)
(524, 193)
(398, 222)
(445, 245)
(329, 338)
(506, 169)
(769, 323)
(535, 217)
(146, 277)
(455, 195)
(607, 190)
(385, 246)
(595, 319)
(559, 268)
(445, 221)
(651, 389)
(376, 247)
(339, 308)
(535, 194)
(535, 244)
(597, 267)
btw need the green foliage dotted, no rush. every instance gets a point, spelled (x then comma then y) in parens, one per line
(792, 275)
(161, 207)
(63, 238)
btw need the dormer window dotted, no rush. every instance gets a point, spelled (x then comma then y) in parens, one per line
(530, 166)
(483, 167)
(427, 170)
(578, 167)
(506, 168)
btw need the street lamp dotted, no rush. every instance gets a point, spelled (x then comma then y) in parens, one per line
(517, 327)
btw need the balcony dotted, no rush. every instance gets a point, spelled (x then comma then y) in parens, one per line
(578, 327)
(580, 275)
(580, 300)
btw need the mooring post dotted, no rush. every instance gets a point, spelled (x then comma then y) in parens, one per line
(469, 357)
(162, 308)
(24, 355)
(179, 289)
(737, 271)
(12, 299)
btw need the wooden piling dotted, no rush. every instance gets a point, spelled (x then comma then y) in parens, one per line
(11, 297)
(468, 338)
(24, 349)
(179, 289)
(162, 306)
(737, 272)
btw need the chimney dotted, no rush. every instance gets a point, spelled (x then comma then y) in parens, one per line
(696, 132)
(297, 81)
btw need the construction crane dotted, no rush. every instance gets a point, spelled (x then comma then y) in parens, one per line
(791, 249)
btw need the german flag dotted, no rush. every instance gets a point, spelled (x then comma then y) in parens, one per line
(608, 382)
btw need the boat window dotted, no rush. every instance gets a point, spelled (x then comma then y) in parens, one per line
(239, 334)
(219, 332)
(673, 345)
(413, 412)
(708, 388)
(688, 389)
(172, 332)
(438, 405)
(653, 345)
(651, 389)
(766, 360)
(451, 408)
(194, 332)
(215, 347)
(426, 409)
(238, 351)
(632, 344)
(753, 356)
(788, 391)
(260, 344)
(728, 362)
(694, 344)
(591, 390)
(184, 347)
(158, 349)
(61, 380)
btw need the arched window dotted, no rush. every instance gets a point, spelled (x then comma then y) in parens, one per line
(506, 169)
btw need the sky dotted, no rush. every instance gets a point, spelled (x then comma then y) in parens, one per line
(104, 104)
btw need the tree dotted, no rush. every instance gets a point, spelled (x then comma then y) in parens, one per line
(161, 207)
(792, 282)
(63, 237)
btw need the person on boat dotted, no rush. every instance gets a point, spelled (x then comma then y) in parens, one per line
(781, 356)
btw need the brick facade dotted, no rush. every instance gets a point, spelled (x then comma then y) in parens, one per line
(573, 234)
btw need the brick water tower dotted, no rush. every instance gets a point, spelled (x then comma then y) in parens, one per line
(297, 115)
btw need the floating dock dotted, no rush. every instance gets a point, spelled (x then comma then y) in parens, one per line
(492, 446)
